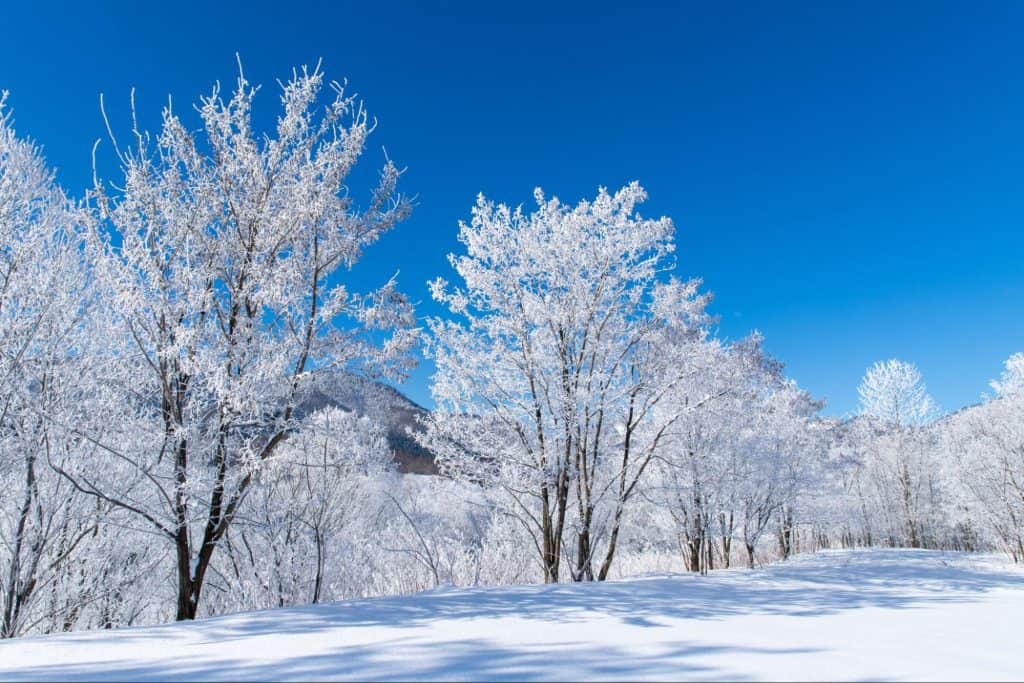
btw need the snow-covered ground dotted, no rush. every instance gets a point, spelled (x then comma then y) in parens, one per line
(890, 614)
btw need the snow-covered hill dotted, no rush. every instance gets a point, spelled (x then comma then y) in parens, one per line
(385, 405)
(889, 614)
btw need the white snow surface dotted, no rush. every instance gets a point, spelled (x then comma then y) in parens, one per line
(837, 615)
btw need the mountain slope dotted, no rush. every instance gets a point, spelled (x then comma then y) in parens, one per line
(383, 404)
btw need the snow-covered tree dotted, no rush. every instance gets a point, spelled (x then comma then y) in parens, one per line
(1011, 382)
(893, 391)
(739, 460)
(898, 473)
(321, 488)
(45, 350)
(221, 256)
(988, 443)
(548, 366)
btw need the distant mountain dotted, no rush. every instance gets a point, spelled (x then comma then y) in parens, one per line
(385, 405)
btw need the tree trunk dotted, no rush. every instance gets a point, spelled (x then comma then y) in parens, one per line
(14, 593)
(584, 566)
(613, 540)
(727, 527)
(318, 582)
(187, 598)
(553, 522)
(786, 533)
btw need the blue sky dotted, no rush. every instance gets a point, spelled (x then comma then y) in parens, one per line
(846, 177)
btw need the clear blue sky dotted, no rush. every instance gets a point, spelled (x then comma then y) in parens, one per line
(846, 177)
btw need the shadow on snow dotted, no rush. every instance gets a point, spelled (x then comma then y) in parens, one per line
(813, 585)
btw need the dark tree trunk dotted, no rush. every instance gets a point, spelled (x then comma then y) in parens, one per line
(553, 521)
(15, 594)
(727, 526)
(786, 533)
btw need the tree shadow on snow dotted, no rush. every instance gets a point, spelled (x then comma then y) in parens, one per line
(476, 660)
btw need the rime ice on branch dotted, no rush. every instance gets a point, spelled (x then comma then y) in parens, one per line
(220, 261)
